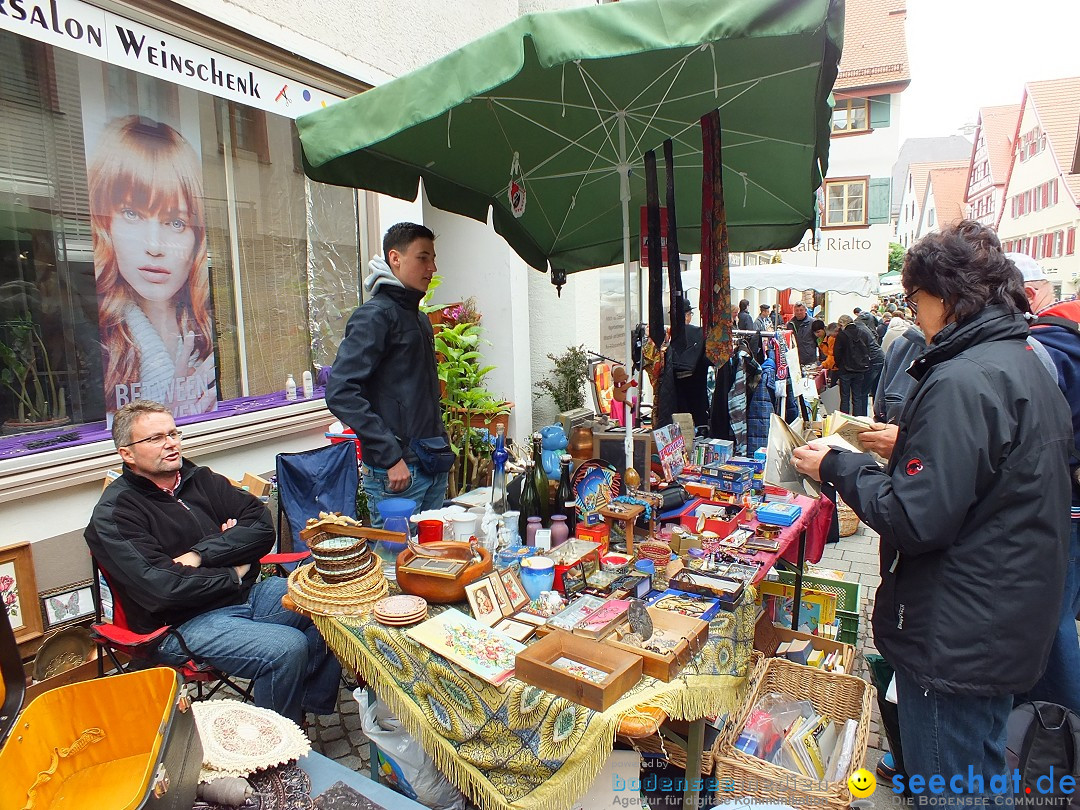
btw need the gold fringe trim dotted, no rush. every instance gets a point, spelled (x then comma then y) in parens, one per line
(699, 696)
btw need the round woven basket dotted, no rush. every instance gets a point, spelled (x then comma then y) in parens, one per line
(841, 697)
(339, 558)
(310, 591)
(849, 521)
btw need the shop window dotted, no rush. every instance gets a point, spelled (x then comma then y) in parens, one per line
(846, 202)
(270, 261)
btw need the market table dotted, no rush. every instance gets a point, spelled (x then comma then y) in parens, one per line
(517, 747)
(801, 541)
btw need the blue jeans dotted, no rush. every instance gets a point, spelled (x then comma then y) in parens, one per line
(952, 735)
(853, 392)
(429, 491)
(280, 650)
(1060, 682)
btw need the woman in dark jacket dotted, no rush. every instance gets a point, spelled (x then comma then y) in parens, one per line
(972, 511)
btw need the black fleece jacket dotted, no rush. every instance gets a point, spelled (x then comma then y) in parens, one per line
(137, 529)
(973, 512)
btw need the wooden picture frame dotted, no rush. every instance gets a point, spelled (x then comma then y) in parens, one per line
(70, 604)
(499, 590)
(518, 631)
(483, 601)
(515, 591)
(18, 591)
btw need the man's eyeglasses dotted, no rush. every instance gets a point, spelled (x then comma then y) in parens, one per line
(158, 439)
(909, 300)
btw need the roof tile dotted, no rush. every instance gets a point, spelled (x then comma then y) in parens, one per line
(875, 45)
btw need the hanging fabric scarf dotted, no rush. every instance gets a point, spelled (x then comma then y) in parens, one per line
(737, 406)
(715, 294)
(655, 253)
(674, 266)
(779, 353)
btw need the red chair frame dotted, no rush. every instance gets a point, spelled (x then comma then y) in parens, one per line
(117, 637)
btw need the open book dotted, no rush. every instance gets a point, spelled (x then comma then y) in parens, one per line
(850, 428)
(779, 467)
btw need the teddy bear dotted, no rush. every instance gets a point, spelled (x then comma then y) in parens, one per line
(554, 444)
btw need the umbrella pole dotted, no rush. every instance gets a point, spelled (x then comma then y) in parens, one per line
(624, 195)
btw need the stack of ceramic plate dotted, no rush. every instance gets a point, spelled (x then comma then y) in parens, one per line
(398, 611)
(312, 593)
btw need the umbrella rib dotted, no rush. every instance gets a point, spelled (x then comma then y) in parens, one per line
(569, 141)
(656, 107)
(751, 82)
(726, 131)
(586, 79)
(502, 99)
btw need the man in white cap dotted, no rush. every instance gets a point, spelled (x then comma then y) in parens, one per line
(1056, 329)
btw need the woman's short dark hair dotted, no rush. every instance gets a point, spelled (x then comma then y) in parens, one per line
(965, 266)
(817, 326)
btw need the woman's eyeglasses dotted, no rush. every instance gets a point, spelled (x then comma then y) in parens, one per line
(909, 300)
(158, 439)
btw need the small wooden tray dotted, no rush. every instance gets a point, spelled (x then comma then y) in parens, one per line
(668, 665)
(535, 665)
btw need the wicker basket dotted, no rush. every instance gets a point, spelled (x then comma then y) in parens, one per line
(841, 697)
(849, 521)
(675, 753)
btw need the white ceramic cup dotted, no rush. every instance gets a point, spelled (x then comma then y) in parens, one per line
(464, 527)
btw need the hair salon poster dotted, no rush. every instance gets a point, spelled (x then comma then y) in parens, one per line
(148, 220)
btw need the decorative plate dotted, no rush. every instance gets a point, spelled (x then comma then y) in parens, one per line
(595, 484)
(400, 607)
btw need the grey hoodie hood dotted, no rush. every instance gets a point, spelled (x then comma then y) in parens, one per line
(380, 273)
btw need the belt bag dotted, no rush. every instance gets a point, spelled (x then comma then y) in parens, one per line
(433, 455)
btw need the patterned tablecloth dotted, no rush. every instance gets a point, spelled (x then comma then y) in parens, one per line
(517, 746)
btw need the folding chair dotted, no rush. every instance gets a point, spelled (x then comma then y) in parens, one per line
(320, 480)
(118, 641)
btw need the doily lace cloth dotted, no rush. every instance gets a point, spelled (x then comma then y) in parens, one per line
(239, 739)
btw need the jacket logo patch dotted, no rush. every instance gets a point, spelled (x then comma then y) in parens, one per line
(914, 467)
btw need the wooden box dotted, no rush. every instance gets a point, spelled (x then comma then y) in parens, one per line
(826, 645)
(667, 666)
(536, 666)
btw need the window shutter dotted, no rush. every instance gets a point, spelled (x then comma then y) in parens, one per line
(879, 200)
(880, 107)
(1070, 242)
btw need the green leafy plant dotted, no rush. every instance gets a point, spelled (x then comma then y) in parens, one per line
(26, 372)
(465, 394)
(564, 382)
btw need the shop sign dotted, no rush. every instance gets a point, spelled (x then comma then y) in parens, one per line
(103, 35)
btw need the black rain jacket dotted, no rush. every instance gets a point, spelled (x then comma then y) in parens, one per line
(973, 512)
(384, 383)
(137, 529)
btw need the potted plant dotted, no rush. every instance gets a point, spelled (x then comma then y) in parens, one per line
(25, 371)
(470, 411)
(565, 381)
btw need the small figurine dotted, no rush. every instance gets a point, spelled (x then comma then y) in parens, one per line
(623, 405)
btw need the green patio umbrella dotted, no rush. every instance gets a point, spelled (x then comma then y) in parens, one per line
(544, 123)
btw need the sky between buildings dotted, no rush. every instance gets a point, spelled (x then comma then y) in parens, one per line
(965, 55)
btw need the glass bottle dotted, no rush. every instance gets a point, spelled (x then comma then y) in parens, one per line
(530, 499)
(565, 503)
(498, 477)
(541, 478)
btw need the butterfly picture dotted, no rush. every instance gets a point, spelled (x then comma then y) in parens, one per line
(67, 605)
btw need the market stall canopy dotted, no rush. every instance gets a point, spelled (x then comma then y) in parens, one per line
(537, 121)
(782, 276)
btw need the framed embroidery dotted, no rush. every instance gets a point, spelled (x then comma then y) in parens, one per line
(67, 605)
(462, 640)
(18, 591)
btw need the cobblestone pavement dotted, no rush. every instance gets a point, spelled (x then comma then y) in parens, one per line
(338, 736)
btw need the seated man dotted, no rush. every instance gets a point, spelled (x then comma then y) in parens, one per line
(181, 546)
